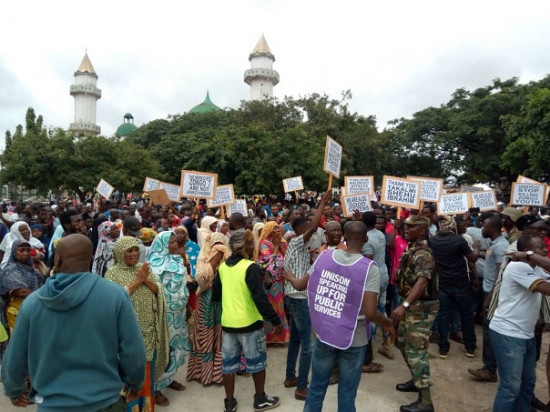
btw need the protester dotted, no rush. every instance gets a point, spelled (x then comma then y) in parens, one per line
(103, 259)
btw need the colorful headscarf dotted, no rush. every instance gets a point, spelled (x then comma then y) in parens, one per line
(147, 235)
(160, 258)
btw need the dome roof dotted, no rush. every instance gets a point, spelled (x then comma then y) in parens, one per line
(206, 106)
(127, 127)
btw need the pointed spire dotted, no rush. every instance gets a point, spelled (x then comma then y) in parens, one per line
(207, 100)
(86, 65)
(261, 46)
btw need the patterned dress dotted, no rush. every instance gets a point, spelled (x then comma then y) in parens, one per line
(172, 273)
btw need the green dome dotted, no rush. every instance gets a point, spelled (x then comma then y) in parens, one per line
(206, 106)
(127, 127)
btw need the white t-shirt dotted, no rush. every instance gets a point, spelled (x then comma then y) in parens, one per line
(518, 303)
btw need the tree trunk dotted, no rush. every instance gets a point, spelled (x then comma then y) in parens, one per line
(80, 193)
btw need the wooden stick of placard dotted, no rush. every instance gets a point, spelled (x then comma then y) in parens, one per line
(329, 181)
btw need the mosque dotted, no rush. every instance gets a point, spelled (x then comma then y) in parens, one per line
(261, 77)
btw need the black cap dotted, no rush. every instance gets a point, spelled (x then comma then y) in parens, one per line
(132, 226)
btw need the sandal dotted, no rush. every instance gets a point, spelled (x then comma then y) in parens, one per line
(160, 399)
(373, 368)
(175, 385)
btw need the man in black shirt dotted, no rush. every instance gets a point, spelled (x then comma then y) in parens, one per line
(455, 292)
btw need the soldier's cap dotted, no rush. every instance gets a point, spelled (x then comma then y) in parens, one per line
(418, 221)
(512, 213)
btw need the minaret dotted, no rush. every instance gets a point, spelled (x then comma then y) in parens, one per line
(85, 93)
(261, 77)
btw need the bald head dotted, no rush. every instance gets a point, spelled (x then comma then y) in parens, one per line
(355, 233)
(73, 254)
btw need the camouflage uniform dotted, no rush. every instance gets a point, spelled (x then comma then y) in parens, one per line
(414, 330)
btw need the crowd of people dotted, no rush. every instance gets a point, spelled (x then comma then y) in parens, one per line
(152, 288)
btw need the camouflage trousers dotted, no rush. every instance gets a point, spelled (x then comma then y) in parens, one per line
(413, 337)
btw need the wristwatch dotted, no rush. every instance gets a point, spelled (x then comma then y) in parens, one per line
(406, 304)
(529, 253)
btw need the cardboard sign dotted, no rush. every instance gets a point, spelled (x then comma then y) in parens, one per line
(400, 192)
(333, 157)
(224, 196)
(430, 188)
(293, 184)
(471, 189)
(150, 184)
(486, 200)
(523, 179)
(528, 194)
(351, 203)
(104, 189)
(198, 184)
(357, 185)
(159, 197)
(453, 204)
(238, 207)
(173, 191)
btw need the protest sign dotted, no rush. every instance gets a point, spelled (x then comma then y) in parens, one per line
(104, 189)
(356, 185)
(400, 192)
(198, 184)
(486, 200)
(292, 184)
(452, 204)
(224, 196)
(430, 188)
(333, 157)
(523, 179)
(528, 194)
(351, 203)
(159, 197)
(239, 206)
(150, 184)
(173, 191)
(470, 189)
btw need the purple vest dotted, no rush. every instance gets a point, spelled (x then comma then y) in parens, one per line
(335, 298)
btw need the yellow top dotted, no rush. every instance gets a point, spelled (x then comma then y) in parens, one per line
(86, 65)
(261, 46)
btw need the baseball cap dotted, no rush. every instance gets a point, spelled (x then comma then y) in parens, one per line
(132, 226)
(512, 213)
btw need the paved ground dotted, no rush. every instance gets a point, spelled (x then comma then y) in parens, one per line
(453, 388)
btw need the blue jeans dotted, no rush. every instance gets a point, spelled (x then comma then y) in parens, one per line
(350, 363)
(460, 299)
(300, 341)
(393, 296)
(488, 357)
(516, 360)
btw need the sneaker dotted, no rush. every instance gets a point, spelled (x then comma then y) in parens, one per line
(470, 353)
(484, 375)
(265, 402)
(230, 406)
(443, 354)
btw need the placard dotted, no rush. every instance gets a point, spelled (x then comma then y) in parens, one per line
(293, 184)
(400, 192)
(453, 204)
(198, 184)
(471, 189)
(150, 184)
(523, 179)
(528, 194)
(356, 185)
(430, 188)
(173, 191)
(238, 207)
(104, 189)
(159, 197)
(351, 203)
(333, 157)
(486, 200)
(224, 196)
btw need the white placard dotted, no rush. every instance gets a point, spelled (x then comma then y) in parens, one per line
(238, 207)
(523, 179)
(400, 192)
(356, 185)
(452, 204)
(486, 200)
(224, 196)
(173, 191)
(150, 184)
(293, 184)
(351, 203)
(198, 184)
(333, 157)
(528, 194)
(430, 188)
(104, 189)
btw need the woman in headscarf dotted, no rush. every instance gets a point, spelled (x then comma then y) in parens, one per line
(22, 232)
(257, 232)
(270, 254)
(189, 251)
(147, 295)
(168, 266)
(98, 220)
(103, 259)
(208, 225)
(205, 360)
(18, 279)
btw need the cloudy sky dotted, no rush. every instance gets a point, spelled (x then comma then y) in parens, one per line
(159, 58)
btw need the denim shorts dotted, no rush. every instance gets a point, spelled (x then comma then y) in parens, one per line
(252, 344)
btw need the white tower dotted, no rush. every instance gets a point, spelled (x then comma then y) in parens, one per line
(261, 77)
(85, 93)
